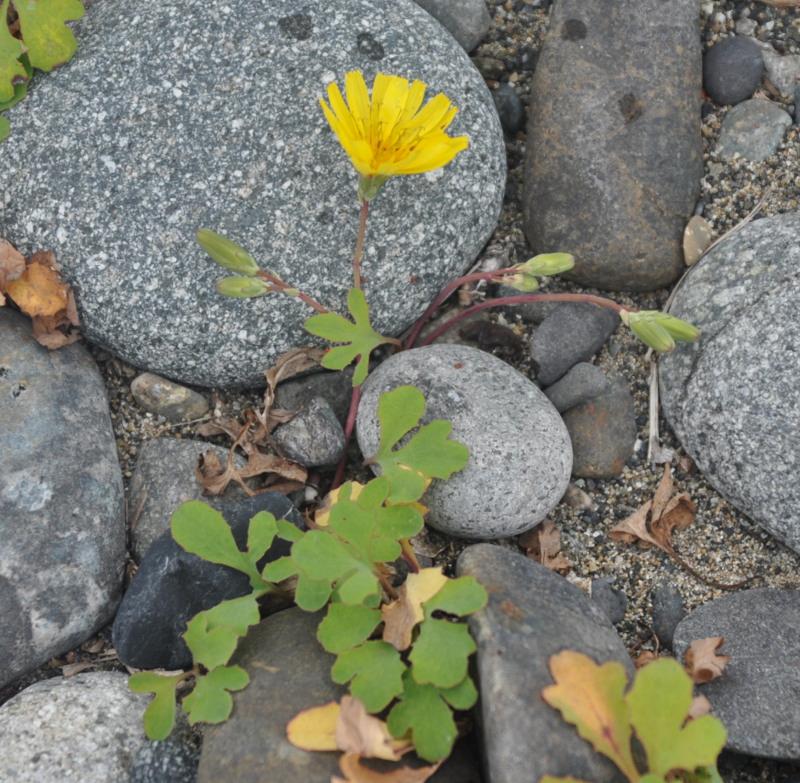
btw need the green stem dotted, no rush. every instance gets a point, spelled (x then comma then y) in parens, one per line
(514, 300)
(362, 229)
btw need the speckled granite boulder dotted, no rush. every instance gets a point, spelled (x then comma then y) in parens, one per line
(62, 513)
(206, 114)
(733, 398)
(614, 155)
(520, 452)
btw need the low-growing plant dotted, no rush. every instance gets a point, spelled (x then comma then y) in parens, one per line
(33, 35)
(404, 654)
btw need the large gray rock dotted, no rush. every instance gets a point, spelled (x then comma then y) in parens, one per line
(532, 614)
(614, 148)
(757, 695)
(733, 398)
(198, 114)
(87, 727)
(520, 452)
(466, 20)
(62, 514)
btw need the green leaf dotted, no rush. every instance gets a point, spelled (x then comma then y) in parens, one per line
(5, 128)
(360, 338)
(289, 532)
(260, 535)
(347, 626)
(427, 455)
(42, 23)
(279, 569)
(159, 717)
(461, 597)
(462, 696)
(211, 647)
(440, 654)
(238, 614)
(376, 671)
(669, 744)
(11, 50)
(210, 701)
(422, 713)
(311, 594)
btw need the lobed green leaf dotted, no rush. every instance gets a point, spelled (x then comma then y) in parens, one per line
(440, 654)
(159, 717)
(211, 701)
(47, 39)
(376, 671)
(347, 626)
(461, 597)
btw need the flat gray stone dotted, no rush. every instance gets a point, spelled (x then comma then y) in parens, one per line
(757, 695)
(520, 454)
(62, 513)
(314, 437)
(752, 130)
(226, 133)
(614, 156)
(466, 20)
(533, 613)
(582, 383)
(733, 398)
(166, 398)
(87, 727)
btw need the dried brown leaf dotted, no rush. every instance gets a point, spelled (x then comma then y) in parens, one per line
(12, 266)
(700, 706)
(634, 528)
(702, 661)
(543, 544)
(292, 363)
(663, 493)
(401, 616)
(645, 657)
(355, 772)
(361, 733)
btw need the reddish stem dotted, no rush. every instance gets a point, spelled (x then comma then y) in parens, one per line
(348, 434)
(513, 300)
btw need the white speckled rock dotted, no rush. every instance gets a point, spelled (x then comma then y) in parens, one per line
(733, 398)
(206, 114)
(87, 727)
(520, 451)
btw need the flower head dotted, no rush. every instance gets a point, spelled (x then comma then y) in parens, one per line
(388, 133)
(659, 330)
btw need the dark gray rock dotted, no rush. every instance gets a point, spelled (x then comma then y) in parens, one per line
(251, 747)
(466, 20)
(612, 600)
(171, 586)
(62, 513)
(668, 611)
(732, 398)
(533, 613)
(510, 108)
(166, 398)
(582, 383)
(164, 479)
(314, 437)
(756, 696)
(572, 333)
(732, 70)
(336, 388)
(603, 432)
(752, 130)
(119, 196)
(520, 457)
(85, 727)
(614, 162)
(167, 761)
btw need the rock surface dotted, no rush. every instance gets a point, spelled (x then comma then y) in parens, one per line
(582, 383)
(732, 70)
(520, 456)
(732, 398)
(87, 727)
(533, 613)
(165, 398)
(62, 514)
(466, 20)
(120, 193)
(752, 130)
(757, 695)
(165, 761)
(314, 437)
(172, 585)
(614, 155)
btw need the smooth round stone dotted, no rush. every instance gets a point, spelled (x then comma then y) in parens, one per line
(520, 451)
(732, 70)
(205, 114)
(752, 130)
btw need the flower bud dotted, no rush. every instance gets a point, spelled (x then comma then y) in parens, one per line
(243, 287)
(522, 282)
(548, 264)
(227, 253)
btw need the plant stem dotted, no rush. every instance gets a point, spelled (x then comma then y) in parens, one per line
(362, 229)
(279, 286)
(521, 299)
(348, 434)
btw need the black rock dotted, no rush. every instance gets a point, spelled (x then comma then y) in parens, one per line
(668, 611)
(172, 585)
(582, 383)
(732, 70)
(335, 387)
(509, 108)
(572, 333)
(314, 437)
(168, 761)
(610, 599)
(603, 432)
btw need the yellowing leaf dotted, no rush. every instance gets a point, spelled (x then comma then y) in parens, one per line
(39, 291)
(12, 262)
(401, 616)
(702, 660)
(315, 729)
(591, 697)
(323, 513)
(359, 732)
(355, 772)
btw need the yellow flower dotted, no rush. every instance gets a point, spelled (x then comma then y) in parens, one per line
(389, 134)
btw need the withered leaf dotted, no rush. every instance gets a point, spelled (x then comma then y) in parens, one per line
(702, 661)
(700, 706)
(359, 732)
(401, 616)
(355, 772)
(215, 479)
(645, 657)
(543, 544)
(292, 363)
(12, 265)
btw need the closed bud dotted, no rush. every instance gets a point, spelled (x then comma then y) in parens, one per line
(522, 282)
(548, 264)
(227, 253)
(680, 330)
(243, 287)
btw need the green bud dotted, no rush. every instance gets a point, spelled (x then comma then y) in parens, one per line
(243, 287)
(227, 253)
(522, 282)
(369, 187)
(653, 335)
(680, 330)
(548, 264)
